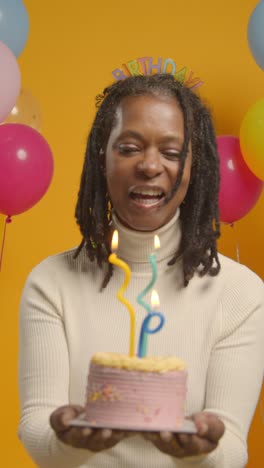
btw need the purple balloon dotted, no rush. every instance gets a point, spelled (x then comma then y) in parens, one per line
(240, 189)
(26, 168)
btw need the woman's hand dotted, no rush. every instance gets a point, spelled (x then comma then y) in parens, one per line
(82, 437)
(209, 431)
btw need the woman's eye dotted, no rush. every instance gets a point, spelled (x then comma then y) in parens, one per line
(127, 149)
(171, 154)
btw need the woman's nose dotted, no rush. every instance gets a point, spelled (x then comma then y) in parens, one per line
(150, 163)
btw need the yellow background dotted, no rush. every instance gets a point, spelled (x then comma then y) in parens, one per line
(70, 54)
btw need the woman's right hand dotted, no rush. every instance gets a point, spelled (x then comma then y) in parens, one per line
(82, 437)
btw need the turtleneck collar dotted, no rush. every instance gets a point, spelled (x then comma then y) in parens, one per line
(134, 247)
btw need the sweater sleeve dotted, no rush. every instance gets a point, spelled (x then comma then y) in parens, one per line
(235, 373)
(43, 372)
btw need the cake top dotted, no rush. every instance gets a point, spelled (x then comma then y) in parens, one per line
(145, 364)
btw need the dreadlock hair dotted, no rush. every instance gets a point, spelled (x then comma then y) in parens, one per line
(199, 210)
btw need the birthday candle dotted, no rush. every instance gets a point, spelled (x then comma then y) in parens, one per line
(120, 263)
(142, 348)
(153, 263)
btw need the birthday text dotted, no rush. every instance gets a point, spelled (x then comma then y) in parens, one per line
(147, 66)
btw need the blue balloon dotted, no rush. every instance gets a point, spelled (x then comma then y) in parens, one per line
(14, 25)
(256, 34)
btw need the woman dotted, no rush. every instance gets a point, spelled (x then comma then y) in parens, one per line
(151, 166)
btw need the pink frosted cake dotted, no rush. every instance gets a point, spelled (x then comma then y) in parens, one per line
(137, 393)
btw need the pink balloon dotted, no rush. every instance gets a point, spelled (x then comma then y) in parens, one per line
(26, 168)
(240, 189)
(10, 81)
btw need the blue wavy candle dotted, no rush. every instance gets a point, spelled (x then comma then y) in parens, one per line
(140, 297)
(145, 329)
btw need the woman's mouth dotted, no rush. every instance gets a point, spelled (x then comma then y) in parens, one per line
(147, 197)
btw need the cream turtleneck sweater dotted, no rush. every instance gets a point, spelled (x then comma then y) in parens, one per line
(216, 325)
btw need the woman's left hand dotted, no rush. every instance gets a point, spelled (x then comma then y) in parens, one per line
(209, 431)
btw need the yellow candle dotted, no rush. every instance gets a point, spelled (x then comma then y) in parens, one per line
(120, 263)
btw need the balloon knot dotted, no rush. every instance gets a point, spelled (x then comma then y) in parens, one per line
(8, 220)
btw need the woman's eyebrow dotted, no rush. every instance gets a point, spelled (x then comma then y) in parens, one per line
(130, 133)
(134, 134)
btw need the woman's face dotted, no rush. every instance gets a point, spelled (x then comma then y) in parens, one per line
(143, 160)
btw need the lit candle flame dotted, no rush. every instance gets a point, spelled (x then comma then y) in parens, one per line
(114, 244)
(155, 302)
(156, 242)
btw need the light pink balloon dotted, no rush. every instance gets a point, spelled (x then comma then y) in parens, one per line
(10, 81)
(26, 168)
(240, 189)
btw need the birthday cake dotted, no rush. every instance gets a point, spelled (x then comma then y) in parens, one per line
(136, 393)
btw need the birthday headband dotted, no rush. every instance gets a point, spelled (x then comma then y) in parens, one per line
(145, 66)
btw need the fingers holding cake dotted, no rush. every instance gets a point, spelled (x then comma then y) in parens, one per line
(60, 421)
(166, 442)
(209, 426)
(95, 440)
(181, 445)
(209, 431)
(105, 438)
(60, 418)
